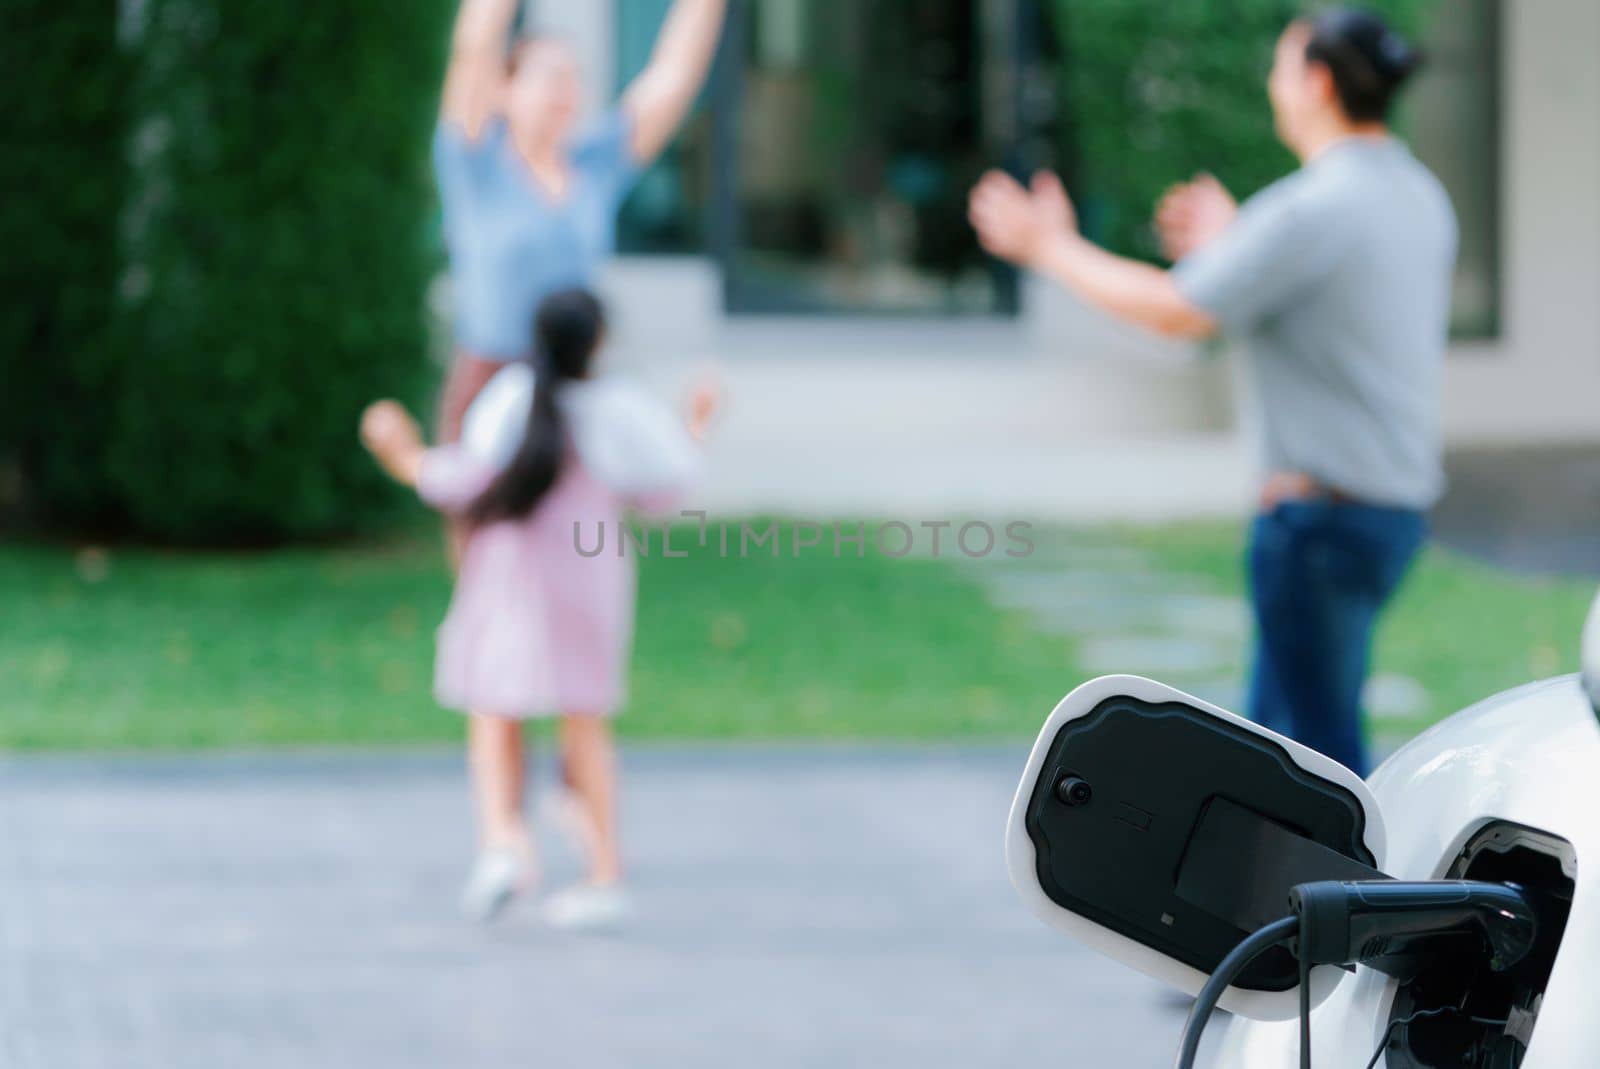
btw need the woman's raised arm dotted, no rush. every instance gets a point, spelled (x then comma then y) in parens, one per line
(662, 94)
(475, 78)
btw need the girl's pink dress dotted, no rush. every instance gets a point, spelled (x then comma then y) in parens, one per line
(541, 623)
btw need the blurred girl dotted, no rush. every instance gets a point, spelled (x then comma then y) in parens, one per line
(535, 627)
(530, 207)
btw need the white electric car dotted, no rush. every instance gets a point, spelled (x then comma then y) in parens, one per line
(1163, 831)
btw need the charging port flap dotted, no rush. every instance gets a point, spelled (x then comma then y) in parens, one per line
(1162, 830)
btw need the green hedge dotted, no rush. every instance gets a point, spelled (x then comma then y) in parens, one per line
(64, 180)
(271, 264)
(1154, 91)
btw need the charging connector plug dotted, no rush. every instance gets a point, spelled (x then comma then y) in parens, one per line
(1392, 925)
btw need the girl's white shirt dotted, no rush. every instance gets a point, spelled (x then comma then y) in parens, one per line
(626, 439)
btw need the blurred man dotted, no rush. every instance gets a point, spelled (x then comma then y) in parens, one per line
(1338, 278)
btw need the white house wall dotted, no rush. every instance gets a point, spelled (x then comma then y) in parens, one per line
(1541, 380)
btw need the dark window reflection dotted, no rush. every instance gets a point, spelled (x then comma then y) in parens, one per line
(857, 127)
(1452, 121)
(1453, 124)
(860, 128)
(669, 209)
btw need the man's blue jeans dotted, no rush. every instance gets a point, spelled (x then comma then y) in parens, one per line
(1320, 572)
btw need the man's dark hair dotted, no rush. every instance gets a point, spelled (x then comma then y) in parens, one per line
(1368, 59)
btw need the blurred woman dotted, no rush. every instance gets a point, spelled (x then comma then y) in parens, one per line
(530, 205)
(1338, 279)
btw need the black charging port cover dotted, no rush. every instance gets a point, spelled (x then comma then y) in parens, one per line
(1184, 832)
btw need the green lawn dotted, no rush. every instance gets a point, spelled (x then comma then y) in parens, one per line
(146, 649)
(1463, 629)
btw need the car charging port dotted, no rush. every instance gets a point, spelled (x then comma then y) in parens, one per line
(1456, 1011)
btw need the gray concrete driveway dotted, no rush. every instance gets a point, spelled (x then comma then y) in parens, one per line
(811, 907)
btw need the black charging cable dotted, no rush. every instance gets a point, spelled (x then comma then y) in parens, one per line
(1226, 972)
(1305, 999)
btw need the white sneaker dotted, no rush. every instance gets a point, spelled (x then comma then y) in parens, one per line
(589, 907)
(496, 878)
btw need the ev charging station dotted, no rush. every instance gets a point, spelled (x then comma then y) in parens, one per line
(1240, 867)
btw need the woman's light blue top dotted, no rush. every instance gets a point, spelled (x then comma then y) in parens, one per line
(511, 243)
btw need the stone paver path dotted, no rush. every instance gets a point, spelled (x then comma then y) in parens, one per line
(1124, 614)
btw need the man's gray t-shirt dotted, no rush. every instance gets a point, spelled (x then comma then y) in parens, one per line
(1338, 278)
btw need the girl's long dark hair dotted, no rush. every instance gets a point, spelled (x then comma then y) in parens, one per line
(566, 334)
